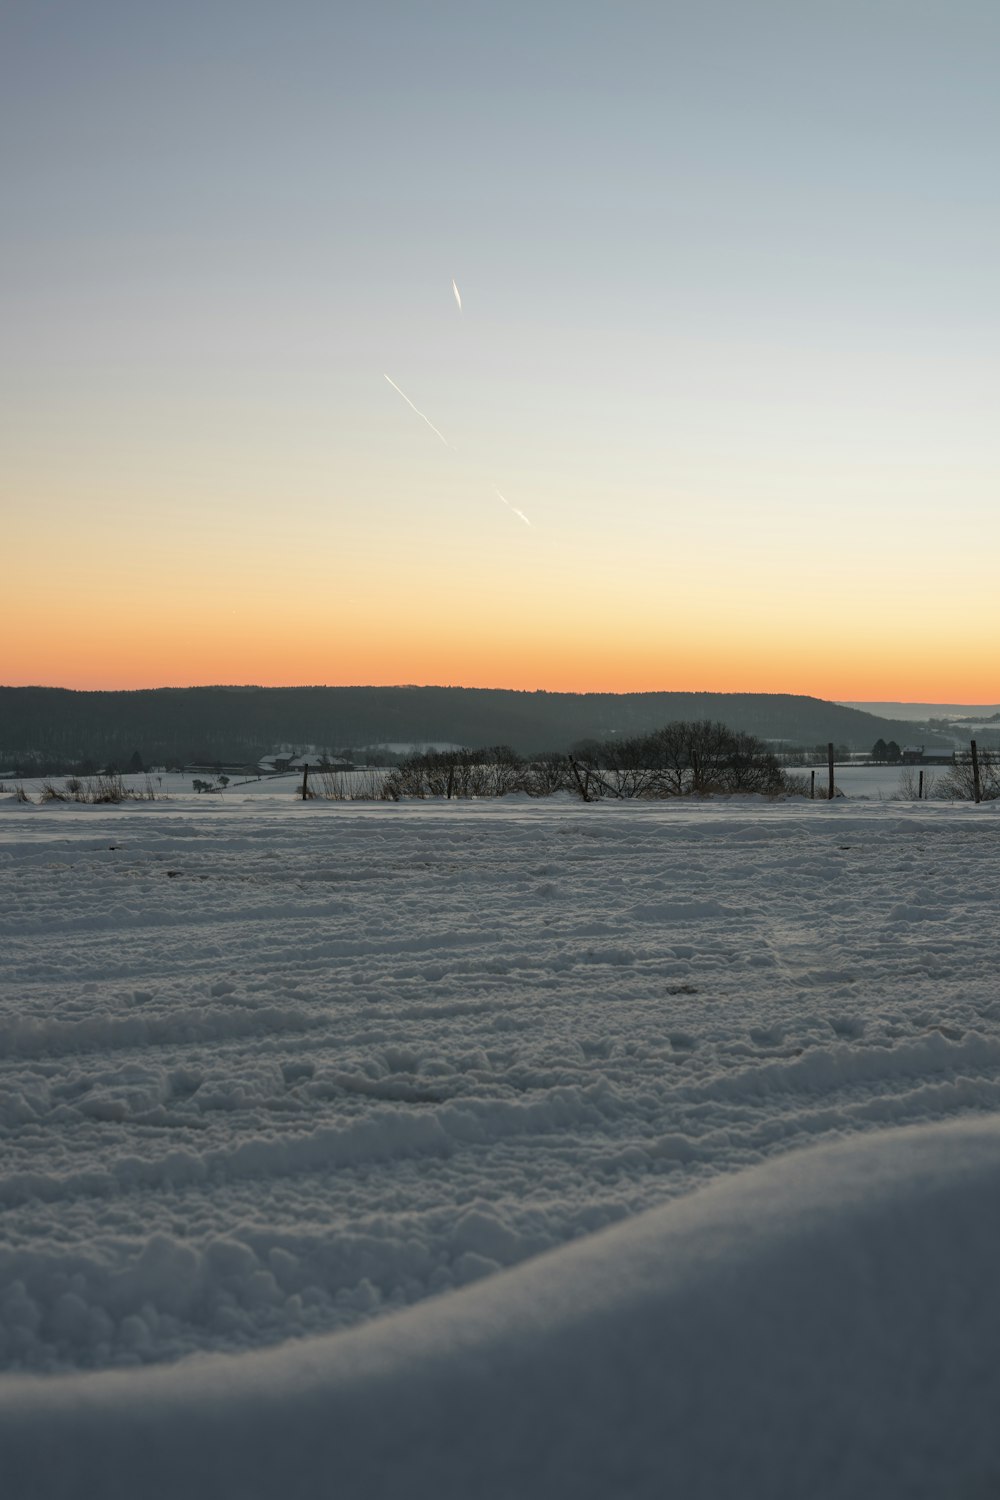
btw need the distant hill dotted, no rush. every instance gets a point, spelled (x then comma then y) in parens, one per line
(56, 727)
(921, 712)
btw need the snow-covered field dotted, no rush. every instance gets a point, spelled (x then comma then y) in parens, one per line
(875, 783)
(274, 1071)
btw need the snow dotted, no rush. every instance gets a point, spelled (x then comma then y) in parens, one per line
(823, 1325)
(857, 781)
(515, 1147)
(878, 783)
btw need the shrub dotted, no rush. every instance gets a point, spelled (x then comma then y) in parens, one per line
(491, 772)
(909, 785)
(680, 759)
(352, 786)
(548, 773)
(958, 782)
(107, 786)
(104, 787)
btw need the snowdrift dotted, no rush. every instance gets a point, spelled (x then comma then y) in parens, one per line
(823, 1325)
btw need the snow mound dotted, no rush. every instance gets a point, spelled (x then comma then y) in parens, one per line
(822, 1325)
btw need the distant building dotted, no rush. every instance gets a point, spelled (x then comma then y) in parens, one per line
(916, 755)
(276, 765)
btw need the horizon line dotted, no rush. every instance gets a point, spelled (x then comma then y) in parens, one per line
(478, 688)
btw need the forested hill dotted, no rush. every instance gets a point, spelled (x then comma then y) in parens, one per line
(237, 724)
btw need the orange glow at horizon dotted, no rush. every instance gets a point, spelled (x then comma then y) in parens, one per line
(456, 591)
(304, 652)
(279, 409)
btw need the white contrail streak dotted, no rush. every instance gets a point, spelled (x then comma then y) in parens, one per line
(420, 413)
(458, 294)
(499, 493)
(519, 513)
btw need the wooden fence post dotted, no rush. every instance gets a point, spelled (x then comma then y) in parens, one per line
(920, 788)
(580, 783)
(976, 783)
(812, 785)
(829, 763)
(305, 781)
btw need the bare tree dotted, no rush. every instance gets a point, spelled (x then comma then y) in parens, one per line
(958, 782)
(911, 788)
(682, 758)
(548, 773)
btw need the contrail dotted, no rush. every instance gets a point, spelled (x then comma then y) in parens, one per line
(499, 494)
(458, 295)
(518, 513)
(420, 414)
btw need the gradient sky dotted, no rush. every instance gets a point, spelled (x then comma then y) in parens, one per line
(728, 340)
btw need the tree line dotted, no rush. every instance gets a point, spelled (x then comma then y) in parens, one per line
(54, 729)
(685, 758)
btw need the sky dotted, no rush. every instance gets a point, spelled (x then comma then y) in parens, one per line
(727, 344)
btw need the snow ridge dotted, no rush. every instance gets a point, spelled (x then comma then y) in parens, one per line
(822, 1325)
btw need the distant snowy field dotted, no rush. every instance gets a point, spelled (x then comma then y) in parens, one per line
(865, 783)
(271, 1071)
